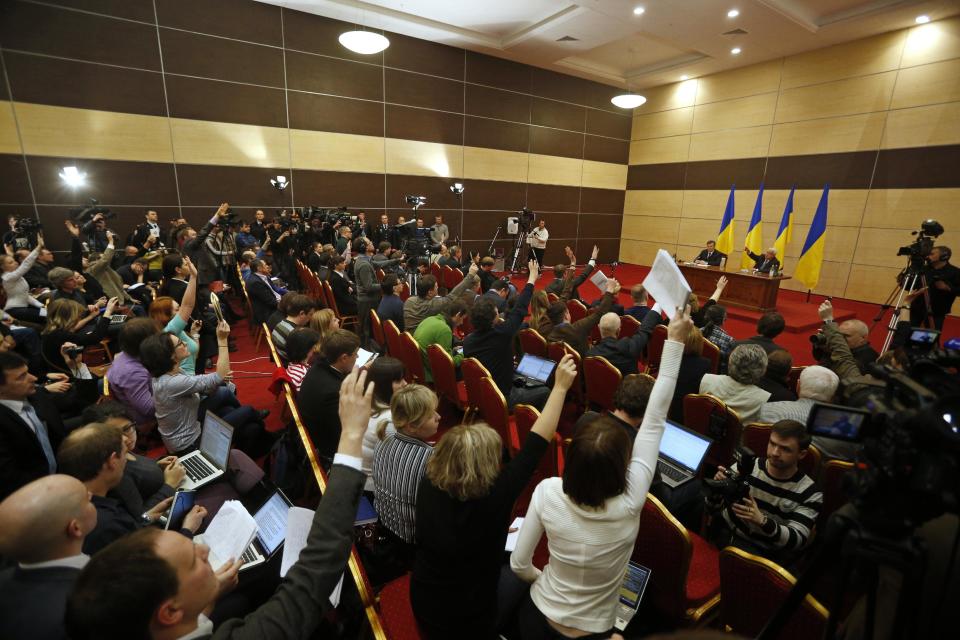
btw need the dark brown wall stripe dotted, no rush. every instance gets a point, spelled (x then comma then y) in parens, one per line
(920, 167)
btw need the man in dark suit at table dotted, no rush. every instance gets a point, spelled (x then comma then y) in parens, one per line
(30, 427)
(764, 262)
(710, 256)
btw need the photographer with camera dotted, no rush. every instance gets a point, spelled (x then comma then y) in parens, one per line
(537, 238)
(768, 506)
(943, 287)
(95, 231)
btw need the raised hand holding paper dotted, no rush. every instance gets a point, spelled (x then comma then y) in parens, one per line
(666, 284)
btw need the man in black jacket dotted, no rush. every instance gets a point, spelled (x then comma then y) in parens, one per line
(558, 286)
(764, 262)
(161, 583)
(344, 291)
(623, 352)
(42, 528)
(710, 256)
(31, 428)
(943, 287)
(769, 326)
(577, 333)
(264, 295)
(320, 391)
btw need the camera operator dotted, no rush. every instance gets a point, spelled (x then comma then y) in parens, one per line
(95, 230)
(780, 509)
(22, 235)
(537, 238)
(943, 287)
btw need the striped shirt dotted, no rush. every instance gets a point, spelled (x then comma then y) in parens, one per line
(297, 372)
(798, 410)
(399, 462)
(791, 507)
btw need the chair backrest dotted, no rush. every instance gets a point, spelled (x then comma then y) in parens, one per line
(664, 546)
(752, 588)
(492, 407)
(578, 311)
(556, 351)
(711, 417)
(831, 483)
(454, 277)
(655, 349)
(444, 373)
(712, 353)
(392, 336)
(794, 377)
(551, 464)
(405, 292)
(755, 437)
(381, 274)
(532, 342)
(524, 416)
(810, 463)
(473, 371)
(552, 297)
(628, 326)
(445, 274)
(376, 327)
(602, 380)
(412, 357)
(330, 298)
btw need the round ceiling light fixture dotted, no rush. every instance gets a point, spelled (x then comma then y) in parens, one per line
(364, 42)
(628, 100)
(733, 13)
(638, 11)
(923, 19)
(735, 51)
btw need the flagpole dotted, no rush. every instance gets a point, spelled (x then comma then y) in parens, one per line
(808, 295)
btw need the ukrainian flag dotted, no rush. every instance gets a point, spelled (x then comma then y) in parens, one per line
(808, 268)
(725, 235)
(786, 228)
(754, 241)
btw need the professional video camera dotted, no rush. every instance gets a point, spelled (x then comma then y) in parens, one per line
(83, 215)
(525, 219)
(920, 248)
(26, 226)
(330, 216)
(721, 494)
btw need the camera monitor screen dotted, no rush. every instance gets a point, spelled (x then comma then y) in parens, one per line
(840, 423)
(924, 337)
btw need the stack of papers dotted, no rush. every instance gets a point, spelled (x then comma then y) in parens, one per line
(599, 280)
(229, 534)
(666, 284)
(299, 521)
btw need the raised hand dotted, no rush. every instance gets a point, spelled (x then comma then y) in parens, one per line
(613, 286)
(355, 402)
(595, 252)
(826, 311)
(71, 227)
(565, 374)
(534, 271)
(681, 325)
(222, 209)
(223, 330)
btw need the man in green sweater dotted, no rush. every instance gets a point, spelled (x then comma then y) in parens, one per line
(438, 329)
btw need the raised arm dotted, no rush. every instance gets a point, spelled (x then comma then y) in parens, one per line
(638, 341)
(223, 350)
(585, 325)
(515, 317)
(189, 300)
(469, 281)
(27, 262)
(721, 285)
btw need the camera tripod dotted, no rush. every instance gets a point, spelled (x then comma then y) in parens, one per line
(872, 555)
(518, 248)
(910, 279)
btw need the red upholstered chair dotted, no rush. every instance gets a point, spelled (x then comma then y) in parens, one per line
(712, 353)
(556, 351)
(445, 273)
(492, 407)
(755, 437)
(445, 377)
(655, 349)
(602, 380)
(472, 372)
(376, 328)
(454, 277)
(752, 588)
(551, 465)
(332, 303)
(685, 579)
(552, 297)
(381, 274)
(435, 271)
(392, 337)
(810, 463)
(533, 343)
(405, 293)
(628, 326)
(396, 613)
(794, 377)
(412, 357)
(831, 482)
(711, 417)
(577, 309)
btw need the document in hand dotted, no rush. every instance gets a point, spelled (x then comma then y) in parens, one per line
(299, 521)
(599, 280)
(666, 284)
(229, 534)
(513, 536)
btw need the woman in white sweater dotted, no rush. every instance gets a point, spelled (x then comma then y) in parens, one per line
(592, 514)
(20, 304)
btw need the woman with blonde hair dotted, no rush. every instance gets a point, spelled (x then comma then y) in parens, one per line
(539, 320)
(324, 322)
(463, 511)
(173, 317)
(400, 461)
(66, 322)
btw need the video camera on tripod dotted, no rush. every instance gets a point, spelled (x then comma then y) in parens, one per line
(83, 215)
(920, 248)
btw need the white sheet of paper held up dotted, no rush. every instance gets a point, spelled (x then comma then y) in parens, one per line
(599, 280)
(666, 284)
(299, 521)
(513, 536)
(230, 532)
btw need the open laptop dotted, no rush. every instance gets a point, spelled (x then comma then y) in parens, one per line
(534, 371)
(210, 461)
(681, 453)
(271, 519)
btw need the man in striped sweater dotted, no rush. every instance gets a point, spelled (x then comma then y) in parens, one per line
(777, 518)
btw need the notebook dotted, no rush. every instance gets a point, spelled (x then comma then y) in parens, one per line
(210, 461)
(681, 454)
(534, 371)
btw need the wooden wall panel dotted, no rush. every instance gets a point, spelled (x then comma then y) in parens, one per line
(843, 97)
(922, 126)
(666, 203)
(490, 164)
(737, 83)
(859, 58)
(932, 42)
(828, 135)
(660, 150)
(733, 114)
(9, 139)
(604, 175)
(222, 143)
(927, 84)
(731, 143)
(325, 151)
(906, 208)
(661, 124)
(651, 229)
(415, 158)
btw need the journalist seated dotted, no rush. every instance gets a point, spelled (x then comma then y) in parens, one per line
(738, 389)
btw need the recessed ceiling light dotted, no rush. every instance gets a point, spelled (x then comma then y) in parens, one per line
(73, 177)
(733, 13)
(628, 100)
(735, 51)
(684, 77)
(923, 19)
(638, 11)
(365, 42)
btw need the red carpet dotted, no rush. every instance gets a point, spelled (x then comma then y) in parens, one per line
(801, 316)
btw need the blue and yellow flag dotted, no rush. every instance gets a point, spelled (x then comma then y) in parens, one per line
(725, 235)
(786, 228)
(754, 241)
(808, 269)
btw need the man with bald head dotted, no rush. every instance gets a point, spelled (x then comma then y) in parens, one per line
(42, 527)
(622, 353)
(855, 332)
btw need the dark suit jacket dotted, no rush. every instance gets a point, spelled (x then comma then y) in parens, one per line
(113, 522)
(761, 263)
(313, 261)
(38, 276)
(692, 369)
(127, 275)
(570, 291)
(21, 458)
(624, 352)
(262, 298)
(779, 392)
(319, 403)
(768, 345)
(174, 288)
(34, 601)
(576, 334)
(714, 259)
(346, 301)
(196, 250)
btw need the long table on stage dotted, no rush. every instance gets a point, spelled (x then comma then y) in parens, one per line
(746, 289)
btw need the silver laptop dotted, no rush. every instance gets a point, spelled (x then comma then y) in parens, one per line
(210, 461)
(271, 519)
(534, 370)
(681, 453)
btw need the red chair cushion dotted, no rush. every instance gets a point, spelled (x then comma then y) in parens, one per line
(396, 612)
(462, 392)
(703, 579)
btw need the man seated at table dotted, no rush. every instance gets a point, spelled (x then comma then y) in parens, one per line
(764, 262)
(710, 256)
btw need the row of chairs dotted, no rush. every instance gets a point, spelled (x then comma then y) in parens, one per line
(321, 290)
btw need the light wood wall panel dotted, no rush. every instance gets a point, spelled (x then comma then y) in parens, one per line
(833, 278)
(843, 97)
(325, 151)
(660, 150)
(923, 126)
(906, 208)
(871, 283)
(730, 143)
(225, 143)
(932, 42)
(737, 83)
(604, 175)
(828, 135)
(9, 140)
(556, 170)
(845, 206)
(730, 114)
(928, 84)
(414, 158)
(492, 164)
(85, 133)
(670, 96)
(859, 58)
(658, 202)
(651, 229)
(640, 252)
(879, 247)
(660, 124)
(709, 204)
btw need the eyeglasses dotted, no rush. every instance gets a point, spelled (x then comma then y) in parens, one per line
(129, 427)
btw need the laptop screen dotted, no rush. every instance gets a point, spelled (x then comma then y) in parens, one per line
(535, 368)
(271, 521)
(683, 447)
(215, 439)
